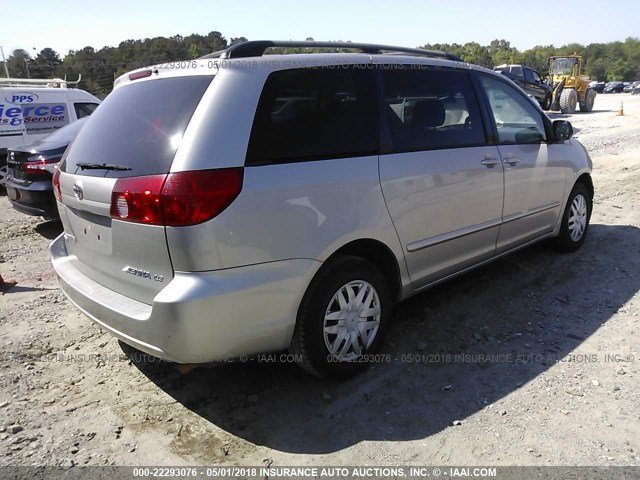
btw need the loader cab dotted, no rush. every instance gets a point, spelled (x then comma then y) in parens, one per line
(570, 66)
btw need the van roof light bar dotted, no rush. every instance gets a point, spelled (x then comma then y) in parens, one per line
(38, 82)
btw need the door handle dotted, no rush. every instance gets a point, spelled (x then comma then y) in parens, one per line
(511, 160)
(490, 161)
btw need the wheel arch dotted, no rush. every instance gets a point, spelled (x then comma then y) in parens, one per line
(379, 255)
(587, 181)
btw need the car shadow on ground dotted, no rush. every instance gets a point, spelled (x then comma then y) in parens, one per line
(564, 116)
(50, 229)
(452, 351)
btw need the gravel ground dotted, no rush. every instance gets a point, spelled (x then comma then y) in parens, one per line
(533, 360)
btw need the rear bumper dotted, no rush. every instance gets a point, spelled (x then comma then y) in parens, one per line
(198, 317)
(32, 202)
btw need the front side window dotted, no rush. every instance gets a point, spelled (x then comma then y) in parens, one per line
(517, 120)
(315, 113)
(430, 108)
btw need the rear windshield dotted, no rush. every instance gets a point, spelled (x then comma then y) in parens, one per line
(65, 134)
(138, 126)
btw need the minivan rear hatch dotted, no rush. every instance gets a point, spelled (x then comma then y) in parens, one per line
(135, 133)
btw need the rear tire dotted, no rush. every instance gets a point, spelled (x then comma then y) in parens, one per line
(589, 99)
(575, 220)
(568, 100)
(342, 317)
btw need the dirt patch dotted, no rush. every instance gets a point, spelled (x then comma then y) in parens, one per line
(532, 360)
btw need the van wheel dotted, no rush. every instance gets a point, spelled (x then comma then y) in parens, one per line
(575, 221)
(342, 317)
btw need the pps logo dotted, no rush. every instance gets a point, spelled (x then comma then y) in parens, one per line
(21, 97)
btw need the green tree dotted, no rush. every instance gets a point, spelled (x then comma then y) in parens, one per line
(477, 54)
(235, 41)
(18, 64)
(623, 70)
(597, 69)
(45, 64)
(501, 52)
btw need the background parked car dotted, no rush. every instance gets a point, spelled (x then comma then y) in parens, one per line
(530, 81)
(613, 87)
(31, 169)
(628, 88)
(597, 86)
(635, 90)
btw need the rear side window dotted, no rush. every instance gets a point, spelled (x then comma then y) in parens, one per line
(431, 108)
(528, 75)
(313, 114)
(535, 76)
(138, 126)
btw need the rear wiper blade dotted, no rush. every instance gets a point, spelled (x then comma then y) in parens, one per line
(101, 166)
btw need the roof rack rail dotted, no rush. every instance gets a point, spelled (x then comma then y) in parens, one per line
(256, 48)
(39, 82)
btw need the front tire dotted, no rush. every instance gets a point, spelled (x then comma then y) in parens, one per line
(546, 103)
(575, 220)
(342, 317)
(568, 100)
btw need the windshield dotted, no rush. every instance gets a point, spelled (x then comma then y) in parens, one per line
(562, 66)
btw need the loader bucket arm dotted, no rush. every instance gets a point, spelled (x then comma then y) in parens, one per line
(557, 92)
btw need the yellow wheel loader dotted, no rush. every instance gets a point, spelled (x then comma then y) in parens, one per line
(570, 86)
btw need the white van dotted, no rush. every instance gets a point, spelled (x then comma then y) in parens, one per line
(31, 109)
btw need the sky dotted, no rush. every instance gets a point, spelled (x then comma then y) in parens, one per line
(66, 25)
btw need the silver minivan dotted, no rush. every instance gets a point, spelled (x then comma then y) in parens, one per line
(245, 203)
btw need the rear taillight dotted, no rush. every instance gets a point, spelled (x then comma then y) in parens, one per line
(176, 199)
(56, 184)
(137, 199)
(39, 165)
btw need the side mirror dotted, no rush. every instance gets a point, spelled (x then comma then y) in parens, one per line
(562, 130)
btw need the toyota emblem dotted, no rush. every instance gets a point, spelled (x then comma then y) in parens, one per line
(77, 190)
